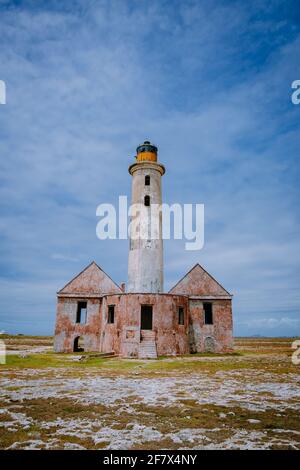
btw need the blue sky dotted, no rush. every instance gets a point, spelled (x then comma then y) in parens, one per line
(209, 82)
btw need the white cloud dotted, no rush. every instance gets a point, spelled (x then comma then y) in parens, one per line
(87, 85)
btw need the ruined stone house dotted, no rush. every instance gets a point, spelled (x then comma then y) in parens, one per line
(95, 314)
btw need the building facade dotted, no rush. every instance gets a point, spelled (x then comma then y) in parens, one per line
(95, 314)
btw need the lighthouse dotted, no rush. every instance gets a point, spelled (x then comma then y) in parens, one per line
(145, 260)
(144, 322)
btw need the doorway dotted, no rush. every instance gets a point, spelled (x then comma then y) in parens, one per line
(78, 344)
(146, 317)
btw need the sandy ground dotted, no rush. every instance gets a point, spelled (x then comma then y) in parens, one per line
(246, 401)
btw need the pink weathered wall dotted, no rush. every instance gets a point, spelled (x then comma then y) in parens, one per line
(220, 331)
(124, 335)
(66, 328)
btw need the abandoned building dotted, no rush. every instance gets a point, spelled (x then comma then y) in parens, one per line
(96, 314)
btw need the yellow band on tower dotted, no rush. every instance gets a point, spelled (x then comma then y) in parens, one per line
(149, 156)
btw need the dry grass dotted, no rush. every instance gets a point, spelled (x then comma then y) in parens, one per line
(245, 400)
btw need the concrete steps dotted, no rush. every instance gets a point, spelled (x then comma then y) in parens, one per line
(148, 335)
(147, 346)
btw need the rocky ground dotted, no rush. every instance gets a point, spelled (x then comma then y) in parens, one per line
(248, 400)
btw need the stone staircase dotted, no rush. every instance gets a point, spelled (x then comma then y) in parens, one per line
(147, 346)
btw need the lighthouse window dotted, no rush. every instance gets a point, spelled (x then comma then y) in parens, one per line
(111, 314)
(147, 201)
(81, 312)
(180, 316)
(208, 313)
(147, 180)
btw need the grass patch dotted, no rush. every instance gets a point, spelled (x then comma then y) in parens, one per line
(163, 366)
(50, 359)
(24, 337)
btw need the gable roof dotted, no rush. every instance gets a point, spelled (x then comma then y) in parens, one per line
(199, 282)
(91, 281)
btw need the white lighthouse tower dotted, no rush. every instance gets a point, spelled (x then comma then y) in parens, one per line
(145, 262)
